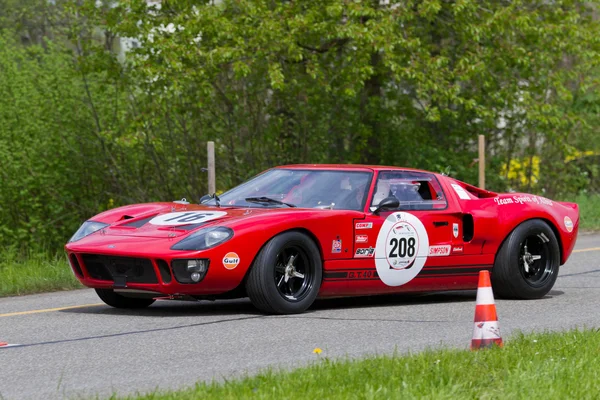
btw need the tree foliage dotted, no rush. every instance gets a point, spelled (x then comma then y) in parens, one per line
(412, 83)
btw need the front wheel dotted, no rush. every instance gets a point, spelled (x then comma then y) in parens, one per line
(527, 264)
(118, 301)
(286, 275)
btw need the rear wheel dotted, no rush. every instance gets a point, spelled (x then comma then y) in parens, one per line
(119, 301)
(527, 264)
(286, 275)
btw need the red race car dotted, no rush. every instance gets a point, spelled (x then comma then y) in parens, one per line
(298, 232)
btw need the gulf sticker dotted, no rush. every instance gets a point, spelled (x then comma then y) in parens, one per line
(186, 217)
(568, 224)
(231, 260)
(402, 248)
(364, 225)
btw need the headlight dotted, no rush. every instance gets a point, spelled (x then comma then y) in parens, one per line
(87, 228)
(204, 239)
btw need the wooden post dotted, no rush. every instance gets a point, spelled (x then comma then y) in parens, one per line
(210, 147)
(481, 162)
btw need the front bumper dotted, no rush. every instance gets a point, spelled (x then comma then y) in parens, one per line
(147, 264)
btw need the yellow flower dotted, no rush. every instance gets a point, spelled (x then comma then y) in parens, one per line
(317, 351)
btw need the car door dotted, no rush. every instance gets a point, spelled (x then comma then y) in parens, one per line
(422, 238)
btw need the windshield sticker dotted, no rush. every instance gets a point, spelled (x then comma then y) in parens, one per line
(336, 246)
(231, 260)
(462, 194)
(364, 225)
(402, 248)
(362, 239)
(568, 224)
(186, 218)
(437, 251)
(522, 200)
(364, 252)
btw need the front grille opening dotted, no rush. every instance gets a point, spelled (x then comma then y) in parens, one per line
(75, 266)
(132, 270)
(165, 272)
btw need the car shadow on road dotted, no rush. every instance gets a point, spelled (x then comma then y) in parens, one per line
(175, 308)
(224, 308)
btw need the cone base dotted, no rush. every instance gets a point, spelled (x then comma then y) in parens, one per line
(477, 344)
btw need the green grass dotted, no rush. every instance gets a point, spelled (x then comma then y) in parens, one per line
(540, 366)
(589, 211)
(38, 272)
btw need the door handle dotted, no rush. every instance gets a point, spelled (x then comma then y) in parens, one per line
(440, 223)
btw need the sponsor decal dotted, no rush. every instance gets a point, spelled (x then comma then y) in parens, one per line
(568, 224)
(455, 230)
(336, 246)
(186, 218)
(457, 249)
(351, 274)
(231, 260)
(520, 200)
(365, 274)
(462, 193)
(437, 251)
(362, 239)
(402, 248)
(364, 252)
(364, 225)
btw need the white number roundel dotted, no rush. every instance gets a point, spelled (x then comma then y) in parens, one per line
(186, 217)
(401, 250)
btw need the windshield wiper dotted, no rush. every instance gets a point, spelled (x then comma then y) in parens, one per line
(267, 200)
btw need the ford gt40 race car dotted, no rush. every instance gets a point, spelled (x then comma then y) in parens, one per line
(295, 233)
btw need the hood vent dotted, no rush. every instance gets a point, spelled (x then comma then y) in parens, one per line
(139, 223)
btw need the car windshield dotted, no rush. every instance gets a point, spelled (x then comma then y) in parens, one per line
(337, 190)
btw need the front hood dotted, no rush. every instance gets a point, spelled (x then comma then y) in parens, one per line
(169, 220)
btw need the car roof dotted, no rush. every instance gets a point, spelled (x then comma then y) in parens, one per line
(351, 167)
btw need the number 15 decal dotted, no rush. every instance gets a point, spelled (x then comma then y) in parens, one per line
(186, 217)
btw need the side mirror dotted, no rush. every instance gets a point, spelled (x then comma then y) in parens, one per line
(205, 198)
(389, 203)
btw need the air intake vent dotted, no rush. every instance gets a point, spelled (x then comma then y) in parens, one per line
(165, 272)
(75, 266)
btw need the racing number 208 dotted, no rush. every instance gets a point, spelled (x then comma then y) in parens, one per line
(405, 247)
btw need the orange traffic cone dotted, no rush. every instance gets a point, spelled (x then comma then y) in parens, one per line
(486, 332)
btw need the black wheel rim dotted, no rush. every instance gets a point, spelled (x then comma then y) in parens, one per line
(535, 260)
(293, 273)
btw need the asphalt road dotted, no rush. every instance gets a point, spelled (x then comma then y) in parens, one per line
(73, 346)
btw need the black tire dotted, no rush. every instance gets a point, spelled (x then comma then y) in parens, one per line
(518, 272)
(118, 301)
(266, 285)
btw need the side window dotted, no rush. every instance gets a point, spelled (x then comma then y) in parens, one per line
(414, 190)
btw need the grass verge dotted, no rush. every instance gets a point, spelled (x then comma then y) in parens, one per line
(38, 272)
(589, 211)
(539, 366)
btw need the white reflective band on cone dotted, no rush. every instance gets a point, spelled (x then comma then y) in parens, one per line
(486, 330)
(485, 296)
